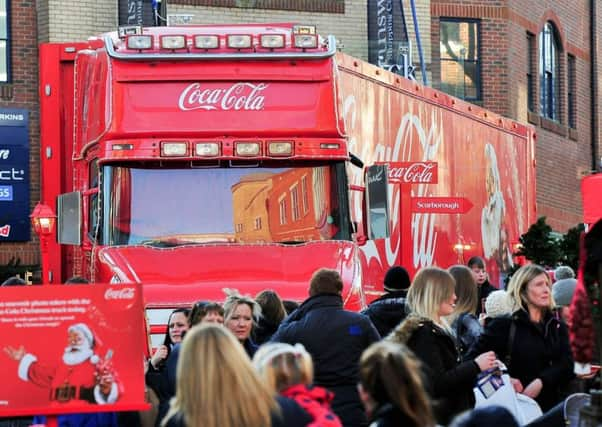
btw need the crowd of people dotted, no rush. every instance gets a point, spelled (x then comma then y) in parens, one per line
(412, 358)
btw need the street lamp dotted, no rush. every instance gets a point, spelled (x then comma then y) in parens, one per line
(43, 219)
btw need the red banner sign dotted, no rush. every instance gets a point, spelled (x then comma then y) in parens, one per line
(444, 205)
(412, 172)
(71, 349)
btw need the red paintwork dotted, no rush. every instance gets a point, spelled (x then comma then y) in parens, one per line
(373, 114)
(590, 193)
(204, 270)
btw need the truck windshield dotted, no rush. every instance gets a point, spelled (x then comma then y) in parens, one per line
(170, 207)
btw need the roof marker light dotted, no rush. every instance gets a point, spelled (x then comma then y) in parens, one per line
(140, 42)
(206, 149)
(280, 148)
(174, 149)
(206, 42)
(272, 41)
(239, 41)
(173, 42)
(306, 41)
(247, 148)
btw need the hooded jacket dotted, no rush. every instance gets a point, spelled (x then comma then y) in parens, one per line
(448, 380)
(335, 338)
(387, 311)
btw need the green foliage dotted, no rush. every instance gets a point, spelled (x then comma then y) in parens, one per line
(569, 246)
(539, 245)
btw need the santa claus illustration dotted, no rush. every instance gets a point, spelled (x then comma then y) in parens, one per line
(81, 377)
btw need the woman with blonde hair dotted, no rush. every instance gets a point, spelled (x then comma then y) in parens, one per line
(241, 313)
(218, 387)
(391, 387)
(463, 320)
(289, 371)
(532, 342)
(426, 332)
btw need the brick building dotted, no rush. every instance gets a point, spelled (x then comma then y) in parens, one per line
(533, 62)
(502, 73)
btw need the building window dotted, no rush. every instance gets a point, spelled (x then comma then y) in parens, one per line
(572, 91)
(239, 228)
(459, 43)
(4, 45)
(548, 73)
(282, 205)
(258, 223)
(295, 203)
(531, 61)
(304, 195)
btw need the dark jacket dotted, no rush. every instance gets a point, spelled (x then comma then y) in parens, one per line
(335, 338)
(448, 380)
(388, 415)
(264, 330)
(538, 351)
(467, 329)
(387, 311)
(291, 415)
(484, 290)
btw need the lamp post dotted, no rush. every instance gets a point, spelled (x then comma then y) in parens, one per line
(43, 219)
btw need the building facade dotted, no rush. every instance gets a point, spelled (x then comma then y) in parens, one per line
(530, 61)
(535, 62)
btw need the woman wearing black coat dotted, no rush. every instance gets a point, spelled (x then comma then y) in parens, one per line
(540, 361)
(449, 380)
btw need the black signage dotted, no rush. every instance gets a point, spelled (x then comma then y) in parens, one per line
(385, 32)
(14, 175)
(136, 12)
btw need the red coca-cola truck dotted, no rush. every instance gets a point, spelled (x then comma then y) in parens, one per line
(192, 159)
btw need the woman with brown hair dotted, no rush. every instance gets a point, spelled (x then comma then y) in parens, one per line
(463, 320)
(218, 387)
(391, 387)
(272, 314)
(425, 331)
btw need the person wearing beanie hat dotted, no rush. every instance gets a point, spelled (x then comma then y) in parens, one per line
(80, 377)
(562, 293)
(388, 311)
(497, 304)
(564, 272)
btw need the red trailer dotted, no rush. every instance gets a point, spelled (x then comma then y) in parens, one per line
(189, 159)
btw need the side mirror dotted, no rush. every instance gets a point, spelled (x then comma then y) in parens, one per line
(69, 218)
(376, 214)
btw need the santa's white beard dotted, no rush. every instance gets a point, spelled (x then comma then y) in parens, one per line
(76, 354)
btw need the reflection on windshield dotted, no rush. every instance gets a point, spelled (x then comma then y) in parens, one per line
(222, 205)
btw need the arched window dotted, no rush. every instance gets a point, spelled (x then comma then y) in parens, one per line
(549, 89)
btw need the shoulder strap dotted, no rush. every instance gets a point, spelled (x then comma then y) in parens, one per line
(510, 344)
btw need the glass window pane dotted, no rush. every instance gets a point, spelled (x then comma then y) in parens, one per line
(3, 20)
(452, 78)
(470, 80)
(3, 65)
(450, 44)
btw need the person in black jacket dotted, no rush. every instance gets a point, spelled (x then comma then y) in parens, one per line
(391, 387)
(389, 310)
(425, 331)
(218, 387)
(272, 313)
(537, 352)
(477, 265)
(335, 338)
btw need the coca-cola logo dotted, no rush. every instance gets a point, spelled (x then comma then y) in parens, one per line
(123, 293)
(239, 96)
(413, 172)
